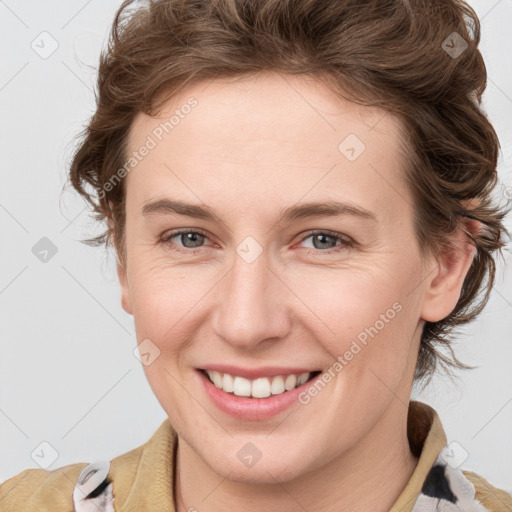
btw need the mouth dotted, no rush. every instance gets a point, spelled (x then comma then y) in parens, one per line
(262, 387)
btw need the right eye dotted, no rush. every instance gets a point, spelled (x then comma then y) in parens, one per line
(185, 236)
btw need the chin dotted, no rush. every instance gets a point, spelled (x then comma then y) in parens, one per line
(262, 475)
(270, 470)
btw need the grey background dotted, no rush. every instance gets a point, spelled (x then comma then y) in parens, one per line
(68, 375)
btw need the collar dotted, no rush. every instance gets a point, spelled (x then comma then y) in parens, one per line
(142, 479)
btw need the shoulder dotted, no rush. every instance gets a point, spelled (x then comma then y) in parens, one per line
(492, 498)
(40, 490)
(45, 490)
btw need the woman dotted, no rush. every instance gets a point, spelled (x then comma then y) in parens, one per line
(231, 140)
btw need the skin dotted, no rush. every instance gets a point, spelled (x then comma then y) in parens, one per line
(248, 149)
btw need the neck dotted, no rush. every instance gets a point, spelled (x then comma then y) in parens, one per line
(370, 476)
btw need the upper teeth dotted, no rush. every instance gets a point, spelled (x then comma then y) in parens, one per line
(257, 388)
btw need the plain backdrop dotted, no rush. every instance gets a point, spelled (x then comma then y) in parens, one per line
(68, 375)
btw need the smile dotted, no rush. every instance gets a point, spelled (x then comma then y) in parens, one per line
(262, 387)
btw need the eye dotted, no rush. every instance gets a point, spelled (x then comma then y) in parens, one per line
(190, 239)
(328, 240)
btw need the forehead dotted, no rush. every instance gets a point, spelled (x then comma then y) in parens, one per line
(266, 137)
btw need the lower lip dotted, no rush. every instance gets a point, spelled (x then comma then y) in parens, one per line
(252, 409)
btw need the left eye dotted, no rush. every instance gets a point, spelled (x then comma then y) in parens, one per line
(192, 240)
(319, 237)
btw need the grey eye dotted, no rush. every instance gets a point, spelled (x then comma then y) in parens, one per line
(191, 239)
(320, 241)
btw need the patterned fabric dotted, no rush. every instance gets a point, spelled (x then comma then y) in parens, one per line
(446, 489)
(93, 491)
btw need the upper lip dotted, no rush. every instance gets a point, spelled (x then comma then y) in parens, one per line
(255, 373)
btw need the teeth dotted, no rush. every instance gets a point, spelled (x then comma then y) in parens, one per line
(226, 383)
(217, 379)
(241, 386)
(262, 387)
(303, 377)
(277, 385)
(290, 382)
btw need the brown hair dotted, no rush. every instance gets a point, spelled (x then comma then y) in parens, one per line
(415, 58)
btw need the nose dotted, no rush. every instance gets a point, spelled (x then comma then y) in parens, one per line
(253, 304)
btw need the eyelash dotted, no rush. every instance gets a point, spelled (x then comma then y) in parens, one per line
(346, 242)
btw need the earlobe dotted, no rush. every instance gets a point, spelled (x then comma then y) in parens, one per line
(452, 265)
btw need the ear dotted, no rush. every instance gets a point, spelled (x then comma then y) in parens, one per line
(125, 290)
(453, 263)
(121, 273)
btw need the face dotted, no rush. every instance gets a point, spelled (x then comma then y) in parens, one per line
(258, 284)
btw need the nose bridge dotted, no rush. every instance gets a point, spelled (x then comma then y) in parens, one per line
(251, 304)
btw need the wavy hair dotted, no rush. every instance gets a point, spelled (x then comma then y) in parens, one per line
(418, 59)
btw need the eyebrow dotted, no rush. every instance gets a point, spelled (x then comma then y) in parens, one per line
(289, 214)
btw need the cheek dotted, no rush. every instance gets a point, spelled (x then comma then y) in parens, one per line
(167, 299)
(367, 316)
(354, 297)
